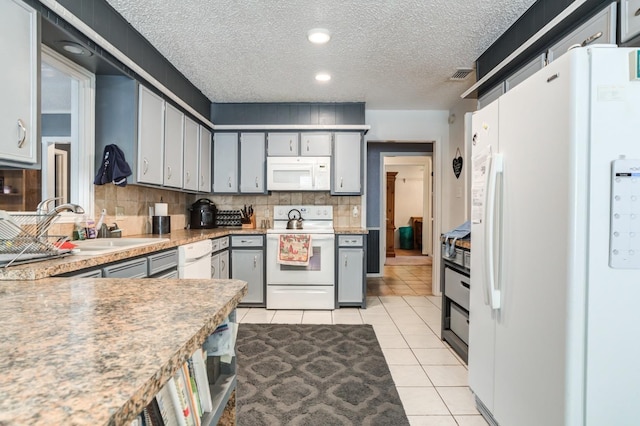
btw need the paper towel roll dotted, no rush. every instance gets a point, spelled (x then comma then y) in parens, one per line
(161, 209)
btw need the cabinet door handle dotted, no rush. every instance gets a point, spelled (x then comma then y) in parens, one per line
(229, 182)
(22, 133)
(213, 271)
(169, 172)
(345, 260)
(188, 176)
(223, 266)
(290, 145)
(341, 182)
(255, 262)
(307, 146)
(591, 39)
(145, 169)
(201, 180)
(256, 181)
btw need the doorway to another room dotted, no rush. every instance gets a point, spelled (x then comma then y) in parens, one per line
(407, 225)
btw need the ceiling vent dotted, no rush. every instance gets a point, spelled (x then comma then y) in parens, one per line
(461, 74)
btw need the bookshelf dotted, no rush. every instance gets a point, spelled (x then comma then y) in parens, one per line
(222, 382)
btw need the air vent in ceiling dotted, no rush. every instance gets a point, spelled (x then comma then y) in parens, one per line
(461, 74)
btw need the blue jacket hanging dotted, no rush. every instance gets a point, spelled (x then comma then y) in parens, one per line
(114, 167)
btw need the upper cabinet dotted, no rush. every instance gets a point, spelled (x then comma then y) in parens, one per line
(173, 146)
(283, 144)
(204, 180)
(600, 29)
(347, 159)
(315, 144)
(160, 143)
(19, 110)
(629, 19)
(525, 72)
(491, 95)
(150, 137)
(225, 163)
(191, 155)
(252, 163)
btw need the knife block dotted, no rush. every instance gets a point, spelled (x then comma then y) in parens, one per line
(250, 225)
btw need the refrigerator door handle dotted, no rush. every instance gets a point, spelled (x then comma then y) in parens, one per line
(496, 169)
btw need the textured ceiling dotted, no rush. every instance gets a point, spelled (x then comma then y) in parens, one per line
(391, 54)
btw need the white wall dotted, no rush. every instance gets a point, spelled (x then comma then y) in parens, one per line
(454, 209)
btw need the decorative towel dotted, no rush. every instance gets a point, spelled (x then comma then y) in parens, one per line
(294, 249)
(114, 168)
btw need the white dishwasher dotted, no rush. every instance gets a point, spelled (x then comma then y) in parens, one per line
(194, 260)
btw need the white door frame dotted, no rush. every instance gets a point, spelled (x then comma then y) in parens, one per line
(82, 131)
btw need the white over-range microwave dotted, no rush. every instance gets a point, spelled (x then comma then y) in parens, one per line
(298, 173)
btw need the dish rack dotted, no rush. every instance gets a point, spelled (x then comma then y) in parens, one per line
(24, 237)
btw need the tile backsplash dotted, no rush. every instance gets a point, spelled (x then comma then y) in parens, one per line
(135, 202)
(263, 204)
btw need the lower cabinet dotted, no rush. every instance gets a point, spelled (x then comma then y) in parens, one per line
(247, 264)
(351, 271)
(220, 258)
(455, 304)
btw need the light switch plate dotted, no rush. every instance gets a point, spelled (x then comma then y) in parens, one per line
(119, 212)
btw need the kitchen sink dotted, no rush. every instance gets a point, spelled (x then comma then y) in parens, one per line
(107, 245)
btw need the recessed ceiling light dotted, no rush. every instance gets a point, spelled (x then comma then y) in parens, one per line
(323, 77)
(319, 36)
(74, 48)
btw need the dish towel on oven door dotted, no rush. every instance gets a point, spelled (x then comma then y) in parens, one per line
(294, 249)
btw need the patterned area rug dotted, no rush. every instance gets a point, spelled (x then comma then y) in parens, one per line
(290, 374)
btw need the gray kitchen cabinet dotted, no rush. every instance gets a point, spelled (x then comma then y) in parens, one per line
(173, 146)
(347, 160)
(136, 268)
(204, 167)
(315, 144)
(525, 72)
(600, 29)
(19, 106)
(351, 271)
(455, 285)
(191, 155)
(163, 264)
(629, 19)
(247, 264)
(150, 137)
(220, 258)
(283, 144)
(225, 163)
(491, 95)
(252, 163)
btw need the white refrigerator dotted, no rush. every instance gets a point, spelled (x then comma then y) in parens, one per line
(555, 279)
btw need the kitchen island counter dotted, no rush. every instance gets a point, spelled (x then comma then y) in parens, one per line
(96, 351)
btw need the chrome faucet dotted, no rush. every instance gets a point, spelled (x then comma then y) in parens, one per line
(43, 206)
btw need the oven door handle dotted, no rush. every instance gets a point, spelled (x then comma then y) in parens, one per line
(314, 237)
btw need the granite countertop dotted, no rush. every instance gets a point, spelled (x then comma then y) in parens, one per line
(88, 351)
(63, 265)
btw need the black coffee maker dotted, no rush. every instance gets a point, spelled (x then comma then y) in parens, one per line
(203, 214)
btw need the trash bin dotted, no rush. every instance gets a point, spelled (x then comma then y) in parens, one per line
(406, 238)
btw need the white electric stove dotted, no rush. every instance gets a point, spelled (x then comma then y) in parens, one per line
(309, 286)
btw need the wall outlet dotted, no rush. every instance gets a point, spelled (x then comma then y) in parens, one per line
(119, 212)
(355, 212)
(266, 212)
(458, 192)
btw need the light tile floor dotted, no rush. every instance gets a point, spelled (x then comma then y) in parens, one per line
(430, 378)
